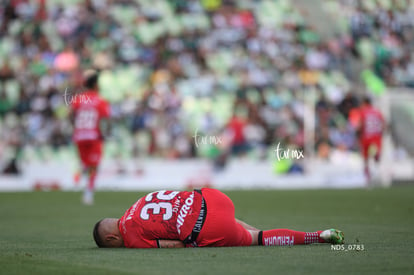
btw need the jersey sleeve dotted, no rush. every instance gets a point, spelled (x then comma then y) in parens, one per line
(104, 109)
(133, 232)
(140, 241)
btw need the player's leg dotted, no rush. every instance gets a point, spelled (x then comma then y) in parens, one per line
(246, 226)
(88, 194)
(283, 237)
(221, 227)
(378, 144)
(94, 153)
(280, 237)
(365, 156)
(83, 154)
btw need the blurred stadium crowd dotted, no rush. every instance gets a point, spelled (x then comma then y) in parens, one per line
(241, 70)
(382, 35)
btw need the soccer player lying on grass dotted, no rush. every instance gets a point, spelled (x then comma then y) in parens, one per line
(189, 219)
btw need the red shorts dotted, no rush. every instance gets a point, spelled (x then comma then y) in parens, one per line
(220, 227)
(366, 144)
(90, 152)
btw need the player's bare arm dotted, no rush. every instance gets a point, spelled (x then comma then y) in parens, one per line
(170, 244)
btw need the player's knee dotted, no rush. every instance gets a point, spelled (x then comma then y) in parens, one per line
(255, 237)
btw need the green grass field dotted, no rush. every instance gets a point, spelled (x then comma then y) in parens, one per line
(50, 233)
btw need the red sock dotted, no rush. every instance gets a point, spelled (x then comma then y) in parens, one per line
(288, 237)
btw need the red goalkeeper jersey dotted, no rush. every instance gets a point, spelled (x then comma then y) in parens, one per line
(168, 215)
(89, 110)
(372, 123)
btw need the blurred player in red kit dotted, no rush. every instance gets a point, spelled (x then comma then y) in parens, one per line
(370, 129)
(199, 218)
(88, 110)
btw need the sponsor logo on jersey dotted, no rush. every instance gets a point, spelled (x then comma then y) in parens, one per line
(176, 205)
(200, 221)
(184, 212)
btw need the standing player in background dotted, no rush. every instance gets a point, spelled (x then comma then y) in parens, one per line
(370, 130)
(88, 111)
